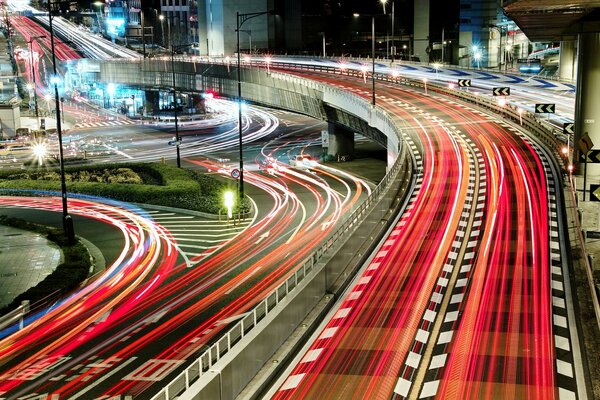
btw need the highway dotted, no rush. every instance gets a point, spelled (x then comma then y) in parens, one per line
(460, 300)
(466, 298)
(151, 312)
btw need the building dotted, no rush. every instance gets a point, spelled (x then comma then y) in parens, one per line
(217, 26)
(177, 16)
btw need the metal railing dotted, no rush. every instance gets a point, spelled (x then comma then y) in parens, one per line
(15, 316)
(225, 344)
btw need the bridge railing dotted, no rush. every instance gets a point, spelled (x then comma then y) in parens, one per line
(225, 345)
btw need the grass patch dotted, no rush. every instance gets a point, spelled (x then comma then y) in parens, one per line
(154, 183)
(67, 275)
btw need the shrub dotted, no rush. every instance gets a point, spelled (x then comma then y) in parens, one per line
(157, 184)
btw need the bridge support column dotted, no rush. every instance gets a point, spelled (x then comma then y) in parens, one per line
(568, 60)
(587, 112)
(151, 102)
(341, 141)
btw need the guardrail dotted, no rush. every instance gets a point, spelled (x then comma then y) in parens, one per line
(15, 316)
(225, 344)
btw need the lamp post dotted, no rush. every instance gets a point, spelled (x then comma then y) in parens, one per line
(372, 50)
(66, 220)
(387, 38)
(241, 19)
(143, 33)
(324, 49)
(162, 28)
(30, 42)
(173, 48)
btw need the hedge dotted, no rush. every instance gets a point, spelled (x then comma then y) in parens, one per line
(162, 185)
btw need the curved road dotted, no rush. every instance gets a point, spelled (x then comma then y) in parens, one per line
(465, 299)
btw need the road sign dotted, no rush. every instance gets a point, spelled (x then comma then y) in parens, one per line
(569, 128)
(501, 91)
(545, 108)
(594, 192)
(464, 82)
(593, 157)
(174, 142)
(324, 138)
(585, 143)
(235, 173)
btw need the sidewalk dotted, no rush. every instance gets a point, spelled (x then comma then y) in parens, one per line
(26, 258)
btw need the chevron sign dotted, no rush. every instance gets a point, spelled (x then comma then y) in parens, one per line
(501, 91)
(545, 108)
(464, 82)
(569, 128)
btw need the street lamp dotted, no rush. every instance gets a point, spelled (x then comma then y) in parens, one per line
(66, 220)
(162, 28)
(173, 48)
(30, 42)
(241, 19)
(384, 2)
(477, 56)
(372, 50)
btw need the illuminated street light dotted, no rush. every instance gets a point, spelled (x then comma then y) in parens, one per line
(39, 151)
(162, 28)
(66, 218)
(229, 202)
(436, 66)
(356, 15)
(477, 57)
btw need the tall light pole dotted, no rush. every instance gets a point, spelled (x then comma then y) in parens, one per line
(143, 33)
(177, 142)
(356, 15)
(30, 42)
(66, 220)
(241, 18)
(387, 39)
(393, 47)
(162, 28)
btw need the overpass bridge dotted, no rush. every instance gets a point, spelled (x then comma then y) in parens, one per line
(233, 359)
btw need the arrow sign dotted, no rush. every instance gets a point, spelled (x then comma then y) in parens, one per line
(545, 108)
(595, 192)
(464, 82)
(569, 128)
(501, 91)
(593, 156)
